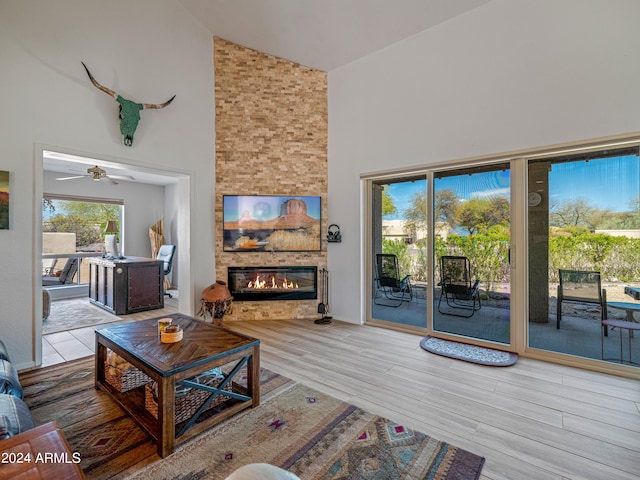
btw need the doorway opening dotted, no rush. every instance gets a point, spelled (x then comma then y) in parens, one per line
(150, 195)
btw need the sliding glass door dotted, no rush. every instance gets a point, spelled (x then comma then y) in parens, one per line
(470, 222)
(472, 284)
(399, 278)
(528, 254)
(584, 216)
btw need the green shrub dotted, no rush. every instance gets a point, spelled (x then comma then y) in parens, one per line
(617, 258)
(400, 249)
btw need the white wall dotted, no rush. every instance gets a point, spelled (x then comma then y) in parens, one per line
(147, 50)
(509, 75)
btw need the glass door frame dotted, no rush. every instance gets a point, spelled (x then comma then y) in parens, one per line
(368, 261)
(518, 222)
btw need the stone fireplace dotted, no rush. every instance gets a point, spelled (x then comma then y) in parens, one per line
(271, 139)
(273, 283)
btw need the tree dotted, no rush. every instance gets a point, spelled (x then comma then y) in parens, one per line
(86, 219)
(416, 214)
(93, 212)
(479, 214)
(577, 212)
(446, 205)
(388, 207)
(47, 204)
(86, 232)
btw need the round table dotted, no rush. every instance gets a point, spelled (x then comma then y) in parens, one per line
(622, 325)
(630, 307)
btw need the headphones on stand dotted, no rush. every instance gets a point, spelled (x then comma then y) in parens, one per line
(333, 234)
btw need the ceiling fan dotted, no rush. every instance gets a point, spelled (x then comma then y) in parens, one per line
(96, 173)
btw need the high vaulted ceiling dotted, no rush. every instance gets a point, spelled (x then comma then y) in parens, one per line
(322, 34)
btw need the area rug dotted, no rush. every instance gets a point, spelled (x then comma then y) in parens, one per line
(468, 353)
(79, 313)
(74, 313)
(296, 427)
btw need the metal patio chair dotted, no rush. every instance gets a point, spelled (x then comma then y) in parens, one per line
(461, 296)
(580, 286)
(394, 289)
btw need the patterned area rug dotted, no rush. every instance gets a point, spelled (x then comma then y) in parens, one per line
(311, 434)
(468, 353)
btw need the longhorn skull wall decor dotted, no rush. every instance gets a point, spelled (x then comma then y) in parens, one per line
(129, 110)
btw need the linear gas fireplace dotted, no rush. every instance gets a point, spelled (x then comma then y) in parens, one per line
(273, 283)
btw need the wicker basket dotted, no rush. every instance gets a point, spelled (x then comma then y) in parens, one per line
(188, 400)
(124, 380)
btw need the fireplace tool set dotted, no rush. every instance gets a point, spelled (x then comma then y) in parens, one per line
(323, 306)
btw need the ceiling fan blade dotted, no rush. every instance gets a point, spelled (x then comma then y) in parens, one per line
(109, 180)
(123, 177)
(71, 178)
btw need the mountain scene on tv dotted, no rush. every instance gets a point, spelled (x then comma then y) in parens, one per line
(271, 223)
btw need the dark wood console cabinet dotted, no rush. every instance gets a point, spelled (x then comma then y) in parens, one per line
(128, 285)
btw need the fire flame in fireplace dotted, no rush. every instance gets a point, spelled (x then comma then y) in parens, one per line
(259, 284)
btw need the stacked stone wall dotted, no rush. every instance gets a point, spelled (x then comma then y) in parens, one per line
(271, 139)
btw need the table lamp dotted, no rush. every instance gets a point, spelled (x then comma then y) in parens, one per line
(110, 242)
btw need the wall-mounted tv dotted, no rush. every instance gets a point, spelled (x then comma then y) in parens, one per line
(271, 223)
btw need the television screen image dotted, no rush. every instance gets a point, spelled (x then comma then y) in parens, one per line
(271, 223)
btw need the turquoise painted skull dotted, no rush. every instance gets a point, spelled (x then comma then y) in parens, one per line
(129, 111)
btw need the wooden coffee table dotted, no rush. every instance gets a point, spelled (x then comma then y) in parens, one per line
(203, 347)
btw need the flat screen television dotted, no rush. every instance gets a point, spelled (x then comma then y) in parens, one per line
(271, 223)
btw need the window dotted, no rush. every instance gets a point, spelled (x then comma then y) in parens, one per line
(75, 225)
(584, 215)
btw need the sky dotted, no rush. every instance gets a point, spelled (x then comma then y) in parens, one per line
(610, 183)
(607, 184)
(264, 207)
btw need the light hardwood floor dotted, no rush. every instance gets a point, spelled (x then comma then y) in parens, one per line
(534, 420)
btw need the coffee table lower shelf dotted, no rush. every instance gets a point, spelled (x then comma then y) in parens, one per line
(132, 402)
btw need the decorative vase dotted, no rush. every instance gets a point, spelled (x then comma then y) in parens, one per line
(216, 301)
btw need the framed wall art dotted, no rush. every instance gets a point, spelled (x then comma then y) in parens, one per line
(4, 200)
(271, 223)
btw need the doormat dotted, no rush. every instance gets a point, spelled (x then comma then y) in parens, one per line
(468, 353)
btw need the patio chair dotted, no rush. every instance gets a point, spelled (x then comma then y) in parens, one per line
(580, 286)
(395, 290)
(165, 253)
(66, 275)
(51, 269)
(461, 296)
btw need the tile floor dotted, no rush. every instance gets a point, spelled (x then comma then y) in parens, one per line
(64, 346)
